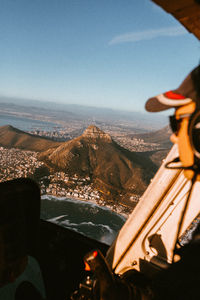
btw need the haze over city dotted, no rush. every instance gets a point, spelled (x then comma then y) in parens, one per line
(100, 53)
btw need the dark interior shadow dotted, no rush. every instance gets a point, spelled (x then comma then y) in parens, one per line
(155, 242)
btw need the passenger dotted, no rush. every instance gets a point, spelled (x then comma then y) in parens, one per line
(182, 279)
(186, 101)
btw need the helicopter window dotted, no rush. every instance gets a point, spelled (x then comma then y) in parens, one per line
(74, 79)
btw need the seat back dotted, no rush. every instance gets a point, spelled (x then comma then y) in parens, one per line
(19, 223)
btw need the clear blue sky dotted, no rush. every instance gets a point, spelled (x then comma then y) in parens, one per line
(109, 53)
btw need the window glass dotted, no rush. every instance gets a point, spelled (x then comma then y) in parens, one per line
(74, 78)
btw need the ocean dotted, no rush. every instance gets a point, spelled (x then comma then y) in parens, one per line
(87, 218)
(25, 123)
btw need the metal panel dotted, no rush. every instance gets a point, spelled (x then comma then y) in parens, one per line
(187, 12)
(150, 233)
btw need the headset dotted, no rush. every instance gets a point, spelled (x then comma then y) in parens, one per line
(185, 123)
(194, 136)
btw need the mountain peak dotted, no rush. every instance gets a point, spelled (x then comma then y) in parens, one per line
(94, 132)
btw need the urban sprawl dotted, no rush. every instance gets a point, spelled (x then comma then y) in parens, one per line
(17, 163)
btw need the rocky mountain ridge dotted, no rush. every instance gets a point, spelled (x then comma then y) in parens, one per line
(94, 132)
(112, 169)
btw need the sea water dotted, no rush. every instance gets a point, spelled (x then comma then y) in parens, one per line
(87, 218)
(25, 123)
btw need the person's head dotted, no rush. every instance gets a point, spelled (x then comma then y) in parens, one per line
(186, 101)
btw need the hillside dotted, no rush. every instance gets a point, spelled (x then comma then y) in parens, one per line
(111, 168)
(159, 137)
(11, 137)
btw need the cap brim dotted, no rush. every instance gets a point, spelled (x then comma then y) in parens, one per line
(183, 95)
(161, 102)
(154, 105)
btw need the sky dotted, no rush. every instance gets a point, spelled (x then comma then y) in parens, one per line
(104, 53)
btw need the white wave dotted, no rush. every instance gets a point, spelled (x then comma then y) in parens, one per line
(56, 218)
(63, 222)
(46, 197)
(98, 226)
(68, 223)
(105, 232)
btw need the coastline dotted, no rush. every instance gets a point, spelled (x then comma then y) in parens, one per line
(118, 209)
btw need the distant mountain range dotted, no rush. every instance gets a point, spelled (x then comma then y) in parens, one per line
(11, 137)
(54, 112)
(159, 137)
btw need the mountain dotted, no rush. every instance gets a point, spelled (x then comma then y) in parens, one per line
(112, 169)
(159, 137)
(11, 137)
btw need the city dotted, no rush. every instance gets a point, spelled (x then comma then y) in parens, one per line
(16, 163)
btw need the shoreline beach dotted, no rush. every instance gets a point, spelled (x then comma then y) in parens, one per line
(116, 208)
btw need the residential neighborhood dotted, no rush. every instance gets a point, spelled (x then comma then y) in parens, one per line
(16, 163)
